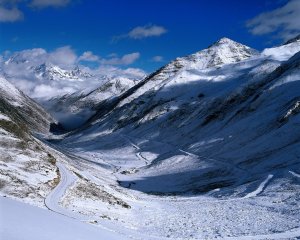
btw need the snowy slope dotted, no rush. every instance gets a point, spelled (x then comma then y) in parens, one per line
(284, 52)
(21, 221)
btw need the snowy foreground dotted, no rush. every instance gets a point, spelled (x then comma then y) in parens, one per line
(22, 221)
(268, 209)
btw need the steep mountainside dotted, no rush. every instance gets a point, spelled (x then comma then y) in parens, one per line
(27, 166)
(22, 109)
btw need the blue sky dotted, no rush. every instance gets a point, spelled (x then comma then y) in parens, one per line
(163, 30)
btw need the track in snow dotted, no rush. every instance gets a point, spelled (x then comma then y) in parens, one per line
(294, 174)
(260, 188)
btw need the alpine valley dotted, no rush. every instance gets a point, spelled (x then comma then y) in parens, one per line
(206, 147)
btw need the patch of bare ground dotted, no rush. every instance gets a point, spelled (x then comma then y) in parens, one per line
(89, 190)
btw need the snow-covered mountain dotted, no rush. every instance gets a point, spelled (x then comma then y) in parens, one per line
(70, 94)
(73, 110)
(55, 73)
(224, 51)
(200, 103)
(44, 70)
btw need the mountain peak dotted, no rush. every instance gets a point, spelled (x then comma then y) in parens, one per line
(224, 40)
(227, 42)
(224, 51)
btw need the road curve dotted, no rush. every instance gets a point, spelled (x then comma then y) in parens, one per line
(67, 179)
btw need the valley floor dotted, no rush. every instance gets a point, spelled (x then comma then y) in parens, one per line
(95, 199)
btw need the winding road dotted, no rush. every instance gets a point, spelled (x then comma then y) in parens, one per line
(67, 179)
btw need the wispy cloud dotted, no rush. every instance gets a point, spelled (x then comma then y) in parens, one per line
(15, 39)
(141, 32)
(10, 9)
(63, 56)
(284, 22)
(9, 12)
(48, 3)
(157, 59)
(127, 59)
(89, 56)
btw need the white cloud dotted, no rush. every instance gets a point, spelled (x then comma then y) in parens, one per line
(146, 31)
(112, 71)
(50, 90)
(157, 59)
(34, 56)
(283, 21)
(89, 57)
(49, 3)
(141, 32)
(127, 59)
(10, 14)
(63, 57)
